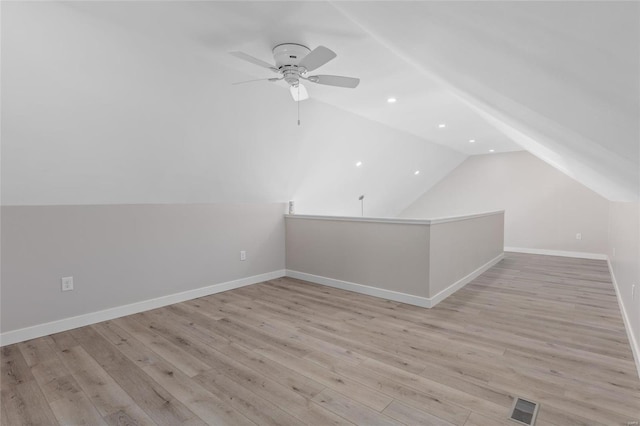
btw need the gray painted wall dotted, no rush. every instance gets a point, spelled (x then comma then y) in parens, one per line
(121, 254)
(544, 208)
(625, 239)
(459, 248)
(384, 255)
(419, 259)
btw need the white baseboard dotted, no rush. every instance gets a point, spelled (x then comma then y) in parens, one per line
(424, 302)
(363, 289)
(464, 281)
(563, 253)
(627, 323)
(65, 324)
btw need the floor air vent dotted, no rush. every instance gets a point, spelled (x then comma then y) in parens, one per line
(524, 412)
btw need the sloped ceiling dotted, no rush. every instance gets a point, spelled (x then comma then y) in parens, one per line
(132, 102)
(561, 79)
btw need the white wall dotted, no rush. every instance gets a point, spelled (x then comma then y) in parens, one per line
(544, 208)
(122, 254)
(99, 111)
(624, 255)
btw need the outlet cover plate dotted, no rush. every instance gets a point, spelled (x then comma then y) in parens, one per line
(66, 283)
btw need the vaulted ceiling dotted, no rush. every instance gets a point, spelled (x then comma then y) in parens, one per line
(133, 102)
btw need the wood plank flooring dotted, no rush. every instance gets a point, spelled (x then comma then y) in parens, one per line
(287, 352)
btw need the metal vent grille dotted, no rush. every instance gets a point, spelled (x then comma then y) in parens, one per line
(524, 412)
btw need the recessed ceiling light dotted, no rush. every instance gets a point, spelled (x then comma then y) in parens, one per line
(492, 150)
(442, 125)
(359, 163)
(392, 100)
(472, 140)
(417, 172)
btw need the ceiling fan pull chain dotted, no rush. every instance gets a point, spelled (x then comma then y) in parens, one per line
(298, 104)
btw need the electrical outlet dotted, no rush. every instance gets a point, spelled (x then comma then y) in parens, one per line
(614, 252)
(66, 283)
(633, 292)
(243, 255)
(578, 236)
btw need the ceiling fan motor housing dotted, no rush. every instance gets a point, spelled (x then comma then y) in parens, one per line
(289, 55)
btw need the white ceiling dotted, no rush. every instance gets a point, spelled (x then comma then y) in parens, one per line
(561, 79)
(215, 28)
(134, 99)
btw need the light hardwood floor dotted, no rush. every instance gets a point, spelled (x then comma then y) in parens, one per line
(289, 352)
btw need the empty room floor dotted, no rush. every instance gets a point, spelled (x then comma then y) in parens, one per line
(288, 352)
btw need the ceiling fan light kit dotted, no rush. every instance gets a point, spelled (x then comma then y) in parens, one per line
(293, 62)
(298, 92)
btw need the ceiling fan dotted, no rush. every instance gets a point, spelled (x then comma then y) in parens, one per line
(294, 62)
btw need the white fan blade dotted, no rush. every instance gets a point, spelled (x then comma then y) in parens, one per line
(299, 92)
(256, 61)
(258, 79)
(316, 58)
(335, 80)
